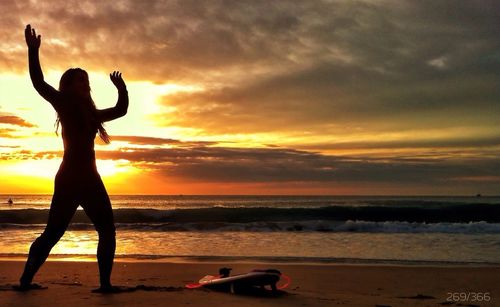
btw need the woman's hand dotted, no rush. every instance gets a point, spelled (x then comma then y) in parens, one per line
(116, 78)
(32, 40)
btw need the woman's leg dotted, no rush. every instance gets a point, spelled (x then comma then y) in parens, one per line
(62, 209)
(97, 206)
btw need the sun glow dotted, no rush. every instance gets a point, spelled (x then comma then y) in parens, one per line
(33, 168)
(109, 168)
(48, 168)
(31, 155)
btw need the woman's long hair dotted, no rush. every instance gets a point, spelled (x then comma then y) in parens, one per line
(90, 113)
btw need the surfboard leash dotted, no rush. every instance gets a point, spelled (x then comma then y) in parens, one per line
(287, 283)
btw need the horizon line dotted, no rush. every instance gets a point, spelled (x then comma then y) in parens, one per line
(479, 195)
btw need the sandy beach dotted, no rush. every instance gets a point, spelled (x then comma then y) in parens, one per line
(162, 284)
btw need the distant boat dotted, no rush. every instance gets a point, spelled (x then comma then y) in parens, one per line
(478, 195)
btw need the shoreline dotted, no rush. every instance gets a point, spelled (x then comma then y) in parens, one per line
(277, 260)
(154, 283)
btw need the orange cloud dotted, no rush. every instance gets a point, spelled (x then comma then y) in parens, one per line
(6, 133)
(15, 120)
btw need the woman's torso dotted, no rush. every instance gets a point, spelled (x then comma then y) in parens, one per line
(79, 129)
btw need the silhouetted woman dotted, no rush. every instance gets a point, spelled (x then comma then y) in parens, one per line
(77, 182)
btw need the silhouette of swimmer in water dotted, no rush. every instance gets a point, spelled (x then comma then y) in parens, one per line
(77, 182)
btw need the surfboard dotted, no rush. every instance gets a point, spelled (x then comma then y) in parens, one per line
(256, 278)
(235, 283)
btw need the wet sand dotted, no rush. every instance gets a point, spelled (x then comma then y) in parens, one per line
(162, 284)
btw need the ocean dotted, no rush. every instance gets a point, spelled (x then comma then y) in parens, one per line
(312, 229)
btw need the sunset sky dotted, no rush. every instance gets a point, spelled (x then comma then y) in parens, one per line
(264, 97)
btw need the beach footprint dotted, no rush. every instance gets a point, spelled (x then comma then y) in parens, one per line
(126, 289)
(10, 287)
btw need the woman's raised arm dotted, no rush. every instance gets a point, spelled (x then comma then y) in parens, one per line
(120, 109)
(43, 88)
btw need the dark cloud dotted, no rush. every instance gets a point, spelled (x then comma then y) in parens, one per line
(458, 142)
(160, 39)
(344, 96)
(15, 120)
(145, 140)
(200, 164)
(168, 38)
(415, 65)
(302, 65)
(220, 164)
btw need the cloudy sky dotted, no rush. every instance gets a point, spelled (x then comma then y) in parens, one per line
(265, 97)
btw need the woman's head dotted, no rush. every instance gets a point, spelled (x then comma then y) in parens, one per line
(75, 81)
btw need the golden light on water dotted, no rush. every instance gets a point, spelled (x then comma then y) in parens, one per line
(76, 243)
